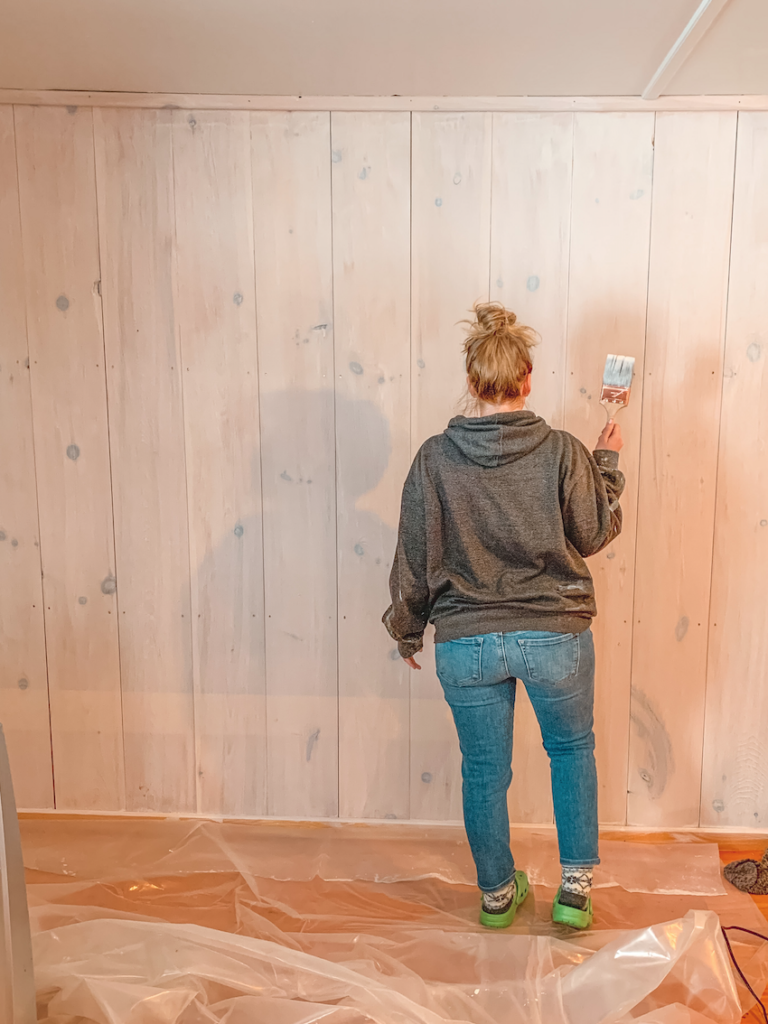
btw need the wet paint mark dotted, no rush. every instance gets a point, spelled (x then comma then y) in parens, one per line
(3, 535)
(754, 351)
(82, 600)
(394, 655)
(109, 585)
(582, 391)
(682, 628)
(359, 549)
(382, 380)
(356, 368)
(611, 554)
(457, 178)
(637, 194)
(426, 776)
(438, 202)
(238, 530)
(718, 806)
(311, 742)
(363, 174)
(336, 156)
(62, 303)
(14, 543)
(192, 122)
(71, 109)
(237, 298)
(532, 283)
(73, 452)
(421, 364)
(23, 684)
(391, 817)
(657, 746)
(321, 327)
(284, 476)
(499, 283)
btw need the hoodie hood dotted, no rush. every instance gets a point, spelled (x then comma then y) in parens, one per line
(499, 439)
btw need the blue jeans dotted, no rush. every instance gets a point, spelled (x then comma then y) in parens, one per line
(479, 676)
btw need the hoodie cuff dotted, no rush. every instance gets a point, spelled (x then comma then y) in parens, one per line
(407, 648)
(606, 459)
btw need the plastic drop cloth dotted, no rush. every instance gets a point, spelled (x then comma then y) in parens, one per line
(140, 921)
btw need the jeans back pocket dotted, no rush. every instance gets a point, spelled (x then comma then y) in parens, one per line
(551, 657)
(458, 662)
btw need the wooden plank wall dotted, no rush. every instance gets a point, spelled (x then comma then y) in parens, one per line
(226, 334)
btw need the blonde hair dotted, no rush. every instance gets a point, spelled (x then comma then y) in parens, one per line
(498, 353)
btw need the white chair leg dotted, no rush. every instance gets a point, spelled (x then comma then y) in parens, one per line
(17, 977)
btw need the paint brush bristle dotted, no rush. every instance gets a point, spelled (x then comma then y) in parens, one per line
(617, 381)
(618, 371)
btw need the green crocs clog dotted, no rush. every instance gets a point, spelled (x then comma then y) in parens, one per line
(505, 920)
(571, 916)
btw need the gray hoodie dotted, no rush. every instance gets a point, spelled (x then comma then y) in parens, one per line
(498, 514)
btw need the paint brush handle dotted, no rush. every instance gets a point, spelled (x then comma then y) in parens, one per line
(612, 408)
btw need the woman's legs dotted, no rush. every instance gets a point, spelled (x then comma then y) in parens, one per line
(564, 708)
(484, 714)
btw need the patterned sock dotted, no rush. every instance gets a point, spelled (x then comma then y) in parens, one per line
(499, 902)
(576, 887)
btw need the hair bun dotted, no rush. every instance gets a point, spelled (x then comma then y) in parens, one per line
(493, 316)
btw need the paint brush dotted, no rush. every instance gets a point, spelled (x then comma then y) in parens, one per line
(617, 381)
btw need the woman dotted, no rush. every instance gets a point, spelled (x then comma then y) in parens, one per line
(498, 514)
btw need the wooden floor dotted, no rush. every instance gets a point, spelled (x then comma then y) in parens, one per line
(739, 848)
(732, 847)
(192, 897)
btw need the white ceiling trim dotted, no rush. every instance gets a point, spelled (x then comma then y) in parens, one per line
(502, 104)
(683, 47)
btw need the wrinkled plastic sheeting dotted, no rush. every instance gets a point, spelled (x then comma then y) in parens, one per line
(181, 922)
(137, 972)
(346, 852)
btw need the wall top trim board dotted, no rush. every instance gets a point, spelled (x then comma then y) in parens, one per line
(532, 104)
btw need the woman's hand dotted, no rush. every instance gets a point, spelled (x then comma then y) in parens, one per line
(412, 663)
(610, 439)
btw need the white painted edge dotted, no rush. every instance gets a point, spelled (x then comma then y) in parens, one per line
(500, 104)
(683, 47)
(723, 830)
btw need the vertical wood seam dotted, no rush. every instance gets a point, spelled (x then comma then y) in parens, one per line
(335, 466)
(724, 340)
(109, 452)
(639, 463)
(265, 795)
(175, 305)
(34, 467)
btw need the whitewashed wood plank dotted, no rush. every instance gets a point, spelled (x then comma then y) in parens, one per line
(23, 676)
(216, 318)
(612, 177)
(371, 258)
(512, 104)
(690, 239)
(450, 241)
(136, 227)
(61, 247)
(532, 167)
(735, 762)
(292, 209)
(530, 234)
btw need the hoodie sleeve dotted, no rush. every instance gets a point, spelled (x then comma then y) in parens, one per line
(407, 616)
(591, 489)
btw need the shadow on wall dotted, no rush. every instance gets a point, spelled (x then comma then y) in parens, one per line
(320, 454)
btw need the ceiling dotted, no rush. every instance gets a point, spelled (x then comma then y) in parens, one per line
(377, 47)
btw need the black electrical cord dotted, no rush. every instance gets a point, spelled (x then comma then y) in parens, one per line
(736, 928)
